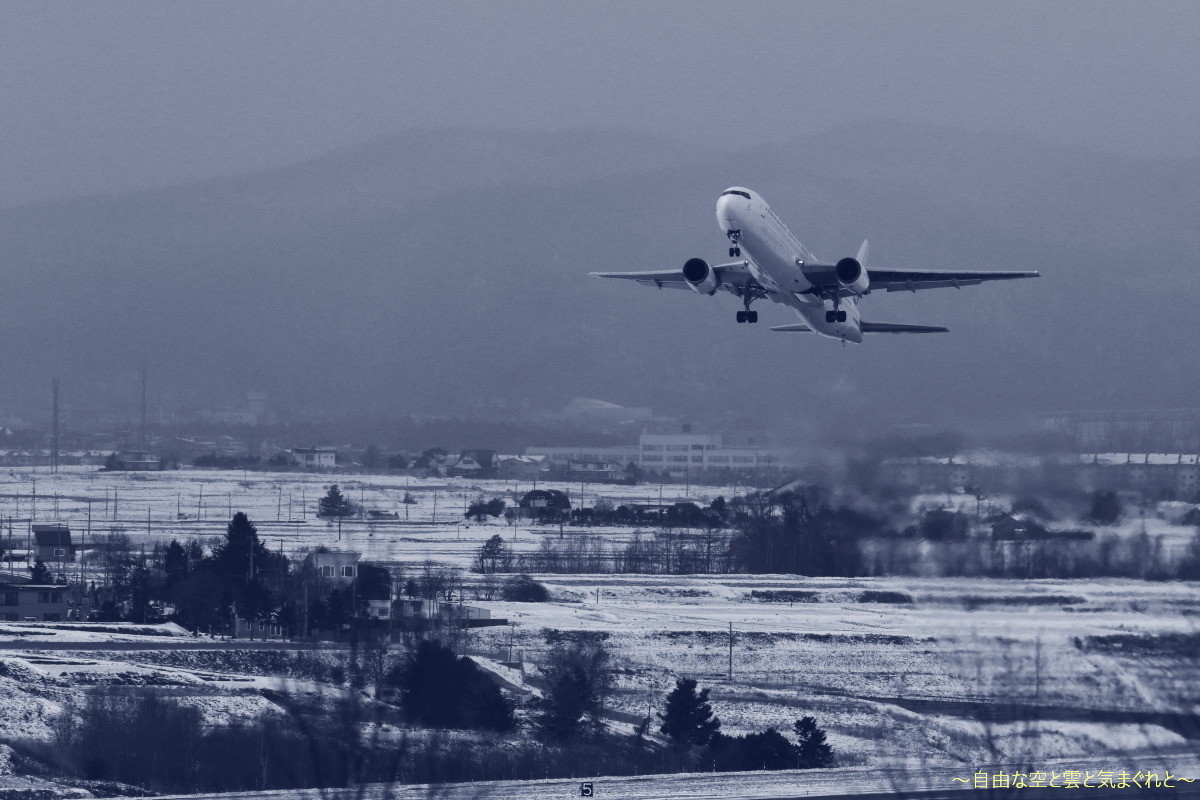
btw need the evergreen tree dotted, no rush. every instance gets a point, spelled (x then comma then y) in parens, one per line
(241, 555)
(812, 749)
(242, 562)
(440, 689)
(578, 683)
(40, 574)
(175, 562)
(335, 504)
(688, 719)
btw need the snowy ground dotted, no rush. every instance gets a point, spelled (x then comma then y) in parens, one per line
(158, 506)
(1076, 649)
(851, 664)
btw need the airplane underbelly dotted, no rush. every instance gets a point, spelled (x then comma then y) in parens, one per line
(848, 331)
(777, 270)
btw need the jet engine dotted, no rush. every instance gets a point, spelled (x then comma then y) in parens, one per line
(852, 276)
(700, 276)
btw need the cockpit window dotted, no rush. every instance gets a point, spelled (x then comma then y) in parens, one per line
(737, 192)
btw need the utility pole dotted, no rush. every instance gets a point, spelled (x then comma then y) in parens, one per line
(730, 675)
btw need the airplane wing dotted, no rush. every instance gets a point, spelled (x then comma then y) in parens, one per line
(731, 277)
(871, 327)
(910, 280)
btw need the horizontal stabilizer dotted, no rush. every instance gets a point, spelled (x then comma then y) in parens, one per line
(894, 327)
(870, 327)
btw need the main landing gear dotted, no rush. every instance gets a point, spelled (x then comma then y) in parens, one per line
(837, 315)
(750, 292)
(734, 250)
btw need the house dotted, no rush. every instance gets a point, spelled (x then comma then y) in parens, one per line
(544, 503)
(522, 468)
(473, 464)
(339, 567)
(314, 457)
(136, 461)
(32, 602)
(53, 543)
(409, 609)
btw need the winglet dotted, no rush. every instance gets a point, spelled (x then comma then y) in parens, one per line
(862, 252)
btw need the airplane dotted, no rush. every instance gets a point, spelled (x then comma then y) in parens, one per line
(778, 267)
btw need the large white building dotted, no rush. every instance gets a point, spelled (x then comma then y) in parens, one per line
(678, 453)
(315, 457)
(674, 453)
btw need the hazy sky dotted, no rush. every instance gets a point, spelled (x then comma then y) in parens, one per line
(107, 96)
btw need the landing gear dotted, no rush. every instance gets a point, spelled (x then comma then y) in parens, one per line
(837, 315)
(749, 293)
(734, 250)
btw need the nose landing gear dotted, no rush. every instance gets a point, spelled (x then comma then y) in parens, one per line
(734, 250)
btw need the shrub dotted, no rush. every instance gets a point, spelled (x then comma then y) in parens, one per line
(523, 589)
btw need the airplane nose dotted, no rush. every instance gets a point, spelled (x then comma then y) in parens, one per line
(727, 211)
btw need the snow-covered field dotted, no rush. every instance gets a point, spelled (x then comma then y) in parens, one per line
(894, 668)
(853, 661)
(158, 506)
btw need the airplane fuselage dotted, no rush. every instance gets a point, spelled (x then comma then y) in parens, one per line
(775, 257)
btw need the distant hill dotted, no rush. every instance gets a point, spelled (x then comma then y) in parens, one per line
(424, 270)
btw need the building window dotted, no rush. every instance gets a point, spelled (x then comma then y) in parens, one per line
(10, 599)
(327, 572)
(697, 459)
(652, 448)
(652, 458)
(59, 552)
(347, 572)
(697, 447)
(677, 459)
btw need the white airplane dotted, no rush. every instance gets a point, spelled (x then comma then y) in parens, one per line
(777, 266)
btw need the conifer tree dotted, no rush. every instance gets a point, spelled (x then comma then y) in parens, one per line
(812, 749)
(40, 574)
(688, 719)
(335, 504)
